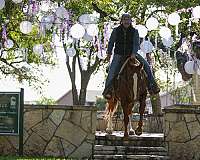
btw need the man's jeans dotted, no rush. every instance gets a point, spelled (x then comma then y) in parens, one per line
(116, 64)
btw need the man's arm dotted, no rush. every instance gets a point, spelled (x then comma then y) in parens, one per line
(111, 41)
(111, 44)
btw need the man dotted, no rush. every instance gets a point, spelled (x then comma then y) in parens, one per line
(126, 41)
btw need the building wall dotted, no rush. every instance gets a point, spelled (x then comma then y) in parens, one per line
(59, 131)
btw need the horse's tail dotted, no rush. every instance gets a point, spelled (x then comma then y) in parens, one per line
(111, 107)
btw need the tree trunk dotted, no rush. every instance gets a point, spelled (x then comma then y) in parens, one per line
(84, 83)
(156, 104)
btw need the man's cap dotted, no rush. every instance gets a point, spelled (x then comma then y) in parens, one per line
(126, 15)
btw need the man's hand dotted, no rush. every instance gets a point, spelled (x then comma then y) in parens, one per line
(133, 56)
(108, 58)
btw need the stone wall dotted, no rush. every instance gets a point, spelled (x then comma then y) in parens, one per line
(60, 131)
(196, 87)
(182, 131)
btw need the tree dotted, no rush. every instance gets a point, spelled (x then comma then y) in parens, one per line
(19, 61)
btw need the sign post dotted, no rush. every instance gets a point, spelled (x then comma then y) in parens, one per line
(11, 115)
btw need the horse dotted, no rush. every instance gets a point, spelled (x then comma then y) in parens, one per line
(129, 86)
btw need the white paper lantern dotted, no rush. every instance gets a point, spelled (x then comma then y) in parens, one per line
(92, 30)
(77, 31)
(17, 1)
(48, 21)
(87, 37)
(167, 42)
(165, 32)
(196, 12)
(44, 5)
(142, 30)
(174, 19)
(146, 46)
(101, 54)
(152, 23)
(2, 4)
(142, 53)
(189, 67)
(25, 27)
(38, 48)
(71, 52)
(85, 19)
(61, 12)
(9, 44)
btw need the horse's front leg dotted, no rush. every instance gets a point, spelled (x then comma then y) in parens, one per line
(131, 130)
(139, 130)
(126, 119)
(109, 128)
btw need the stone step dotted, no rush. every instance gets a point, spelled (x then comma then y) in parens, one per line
(132, 157)
(117, 139)
(129, 150)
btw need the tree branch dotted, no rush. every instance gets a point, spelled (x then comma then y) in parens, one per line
(102, 13)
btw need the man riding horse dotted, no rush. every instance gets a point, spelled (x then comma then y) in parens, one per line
(130, 85)
(126, 40)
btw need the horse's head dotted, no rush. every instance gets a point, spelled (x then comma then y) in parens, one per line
(134, 66)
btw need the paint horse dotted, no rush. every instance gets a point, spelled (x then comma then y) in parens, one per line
(129, 86)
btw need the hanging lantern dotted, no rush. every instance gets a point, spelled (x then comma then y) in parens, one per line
(87, 37)
(17, 1)
(47, 21)
(25, 27)
(85, 19)
(61, 12)
(165, 32)
(77, 31)
(142, 30)
(71, 52)
(9, 43)
(2, 4)
(146, 46)
(38, 48)
(152, 23)
(189, 67)
(44, 5)
(174, 19)
(92, 30)
(167, 42)
(142, 54)
(196, 12)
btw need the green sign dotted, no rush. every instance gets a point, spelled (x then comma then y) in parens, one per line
(9, 113)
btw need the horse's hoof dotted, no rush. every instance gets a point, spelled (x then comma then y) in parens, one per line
(125, 138)
(138, 131)
(132, 132)
(109, 131)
